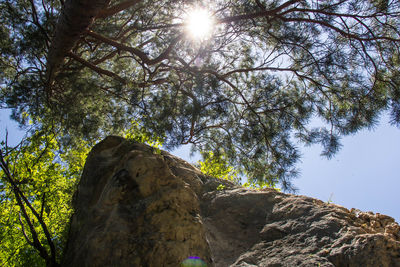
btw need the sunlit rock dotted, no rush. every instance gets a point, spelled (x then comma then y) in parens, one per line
(136, 206)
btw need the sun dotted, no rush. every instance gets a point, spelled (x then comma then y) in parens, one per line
(199, 23)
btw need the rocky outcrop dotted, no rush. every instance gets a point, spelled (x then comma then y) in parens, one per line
(267, 228)
(136, 206)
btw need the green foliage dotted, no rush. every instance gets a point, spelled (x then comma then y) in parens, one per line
(138, 133)
(251, 89)
(216, 165)
(259, 185)
(221, 187)
(46, 172)
(47, 177)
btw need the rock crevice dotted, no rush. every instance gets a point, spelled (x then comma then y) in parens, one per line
(136, 206)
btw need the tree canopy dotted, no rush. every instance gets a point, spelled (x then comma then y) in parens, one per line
(36, 186)
(247, 91)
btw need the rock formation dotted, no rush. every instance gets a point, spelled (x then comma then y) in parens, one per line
(137, 206)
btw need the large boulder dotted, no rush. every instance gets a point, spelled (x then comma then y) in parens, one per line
(138, 206)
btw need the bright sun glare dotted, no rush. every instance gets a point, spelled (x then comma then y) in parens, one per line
(199, 23)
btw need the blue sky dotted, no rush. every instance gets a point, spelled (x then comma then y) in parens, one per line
(364, 174)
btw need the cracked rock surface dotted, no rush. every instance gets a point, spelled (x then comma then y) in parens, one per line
(136, 206)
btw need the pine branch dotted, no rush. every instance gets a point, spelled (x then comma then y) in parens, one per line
(263, 13)
(116, 8)
(95, 68)
(143, 57)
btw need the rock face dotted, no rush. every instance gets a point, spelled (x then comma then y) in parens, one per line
(136, 206)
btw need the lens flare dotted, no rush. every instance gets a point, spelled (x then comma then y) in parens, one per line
(193, 262)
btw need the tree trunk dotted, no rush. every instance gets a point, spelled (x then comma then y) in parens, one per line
(75, 18)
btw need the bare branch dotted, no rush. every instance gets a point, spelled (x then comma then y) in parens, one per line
(143, 57)
(37, 23)
(338, 30)
(24, 232)
(21, 199)
(106, 57)
(117, 8)
(95, 68)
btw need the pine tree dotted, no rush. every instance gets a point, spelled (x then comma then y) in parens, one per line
(248, 91)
